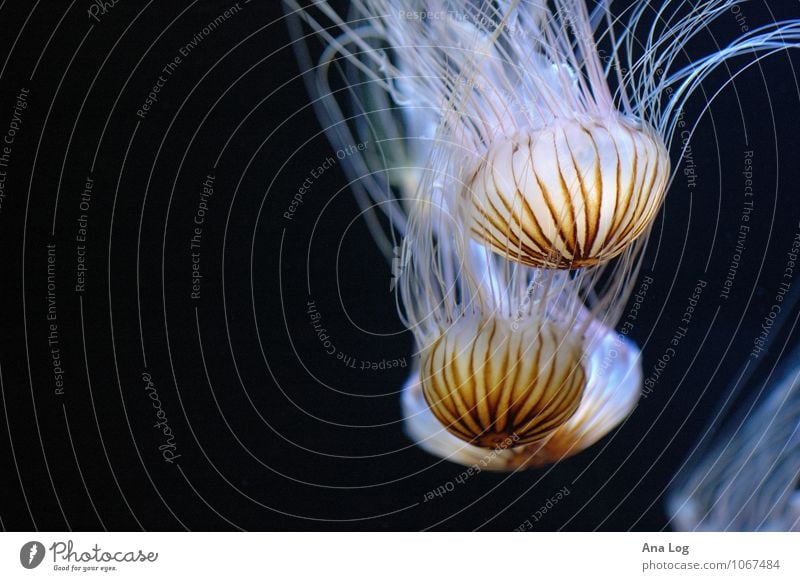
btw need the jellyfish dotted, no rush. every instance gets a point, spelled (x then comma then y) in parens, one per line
(521, 155)
(748, 479)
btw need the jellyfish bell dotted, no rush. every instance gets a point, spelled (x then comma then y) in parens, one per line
(486, 382)
(611, 392)
(571, 194)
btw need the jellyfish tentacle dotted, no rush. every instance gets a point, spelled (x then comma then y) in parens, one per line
(750, 478)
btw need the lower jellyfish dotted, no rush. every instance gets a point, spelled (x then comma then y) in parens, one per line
(610, 392)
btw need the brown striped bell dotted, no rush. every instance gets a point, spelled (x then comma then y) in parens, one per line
(488, 381)
(572, 194)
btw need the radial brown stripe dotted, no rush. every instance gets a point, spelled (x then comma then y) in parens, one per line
(560, 408)
(612, 227)
(564, 398)
(537, 257)
(496, 394)
(456, 396)
(509, 232)
(439, 364)
(524, 407)
(470, 393)
(543, 244)
(598, 181)
(559, 413)
(440, 409)
(641, 200)
(432, 369)
(628, 197)
(471, 387)
(651, 187)
(502, 228)
(546, 198)
(488, 380)
(468, 412)
(570, 239)
(500, 241)
(590, 217)
(504, 405)
(650, 169)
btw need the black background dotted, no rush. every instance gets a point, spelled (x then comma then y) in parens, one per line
(273, 433)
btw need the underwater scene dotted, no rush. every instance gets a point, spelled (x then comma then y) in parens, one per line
(399, 265)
